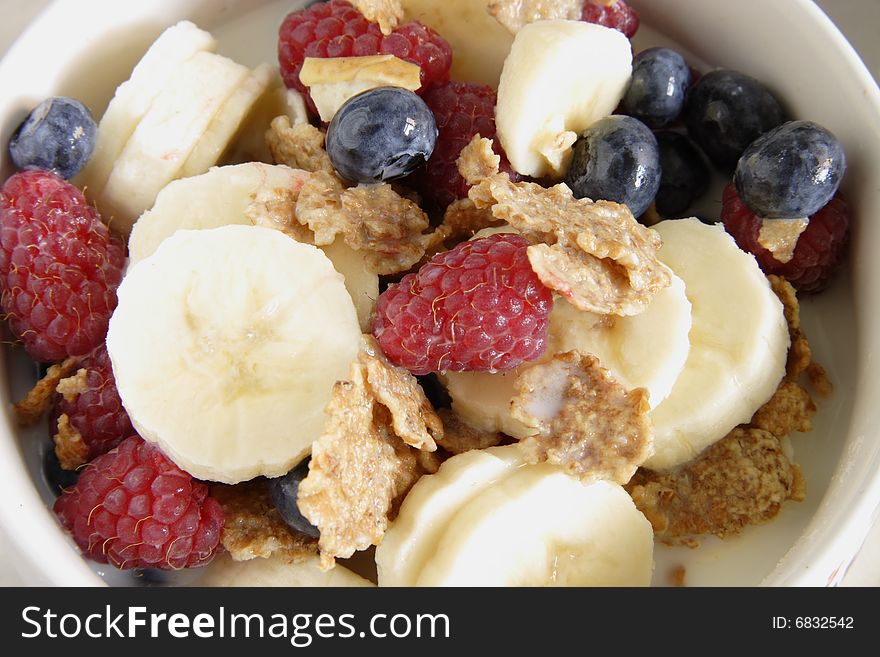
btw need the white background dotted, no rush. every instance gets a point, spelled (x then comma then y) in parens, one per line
(859, 20)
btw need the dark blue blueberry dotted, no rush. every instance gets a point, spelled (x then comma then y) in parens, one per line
(726, 111)
(381, 135)
(656, 91)
(284, 491)
(58, 135)
(791, 171)
(684, 175)
(616, 159)
(57, 478)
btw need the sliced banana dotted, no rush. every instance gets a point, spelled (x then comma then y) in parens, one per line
(276, 571)
(487, 519)
(430, 504)
(225, 345)
(559, 78)
(232, 195)
(164, 138)
(134, 97)
(739, 342)
(647, 350)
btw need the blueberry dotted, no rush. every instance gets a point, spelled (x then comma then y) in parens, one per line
(381, 134)
(791, 171)
(684, 175)
(656, 91)
(284, 491)
(726, 111)
(616, 159)
(58, 135)
(57, 478)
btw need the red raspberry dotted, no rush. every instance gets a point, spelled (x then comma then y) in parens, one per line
(96, 413)
(134, 508)
(336, 29)
(819, 249)
(59, 266)
(479, 306)
(615, 14)
(461, 110)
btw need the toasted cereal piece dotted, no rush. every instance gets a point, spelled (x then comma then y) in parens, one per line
(587, 422)
(299, 146)
(477, 161)
(70, 448)
(39, 398)
(252, 527)
(516, 14)
(459, 436)
(596, 255)
(790, 409)
(742, 479)
(387, 13)
(276, 208)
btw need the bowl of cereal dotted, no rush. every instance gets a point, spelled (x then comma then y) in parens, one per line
(618, 286)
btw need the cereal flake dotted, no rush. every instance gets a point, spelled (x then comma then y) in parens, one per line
(477, 161)
(299, 146)
(459, 437)
(252, 526)
(516, 14)
(37, 401)
(790, 409)
(387, 13)
(780, 236)
(595, 254)
(587, 422)
(360, 468)
(70, 448)
(276, 208)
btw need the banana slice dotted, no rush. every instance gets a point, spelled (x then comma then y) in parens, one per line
(627, 346)
(163, 140)
(430, 505)
(134, 97)
(275, 571)
(225, 345)
(559, 78)
(226, 195)
(739, 342)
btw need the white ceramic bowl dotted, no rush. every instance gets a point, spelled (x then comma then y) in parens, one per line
(788, 44)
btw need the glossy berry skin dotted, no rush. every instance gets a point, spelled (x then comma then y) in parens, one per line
(726, 111)
(133, 508)
(684, 175)
(96, 413)
(819, 251)
(284, 491)
(59, 266)
(616, 159)
(476, 307)
(380, 135)
(790, 171)
(58, 135)
(656, 90)
(616, 15)
(461, 110)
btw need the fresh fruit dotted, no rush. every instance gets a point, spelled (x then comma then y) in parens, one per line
(684, 176)
(818, 252)
(278, 571)
(59, 266)
(241, 194)
(726, 111)
(431, 504)
(627, 347)
(225, 346)
(615, 14)
(284, 491)
(333, 80)
(478, 306)
(656, 91)
(134, 97)
(559, 78)
(477, 60)
(159, 147)
(381, 135)
(738, 342)
(58, 135)
(497, 523)
(790, 171)
(95, 411)
(336, 29)
(134, 508)
(616, 159)
(461, 110)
